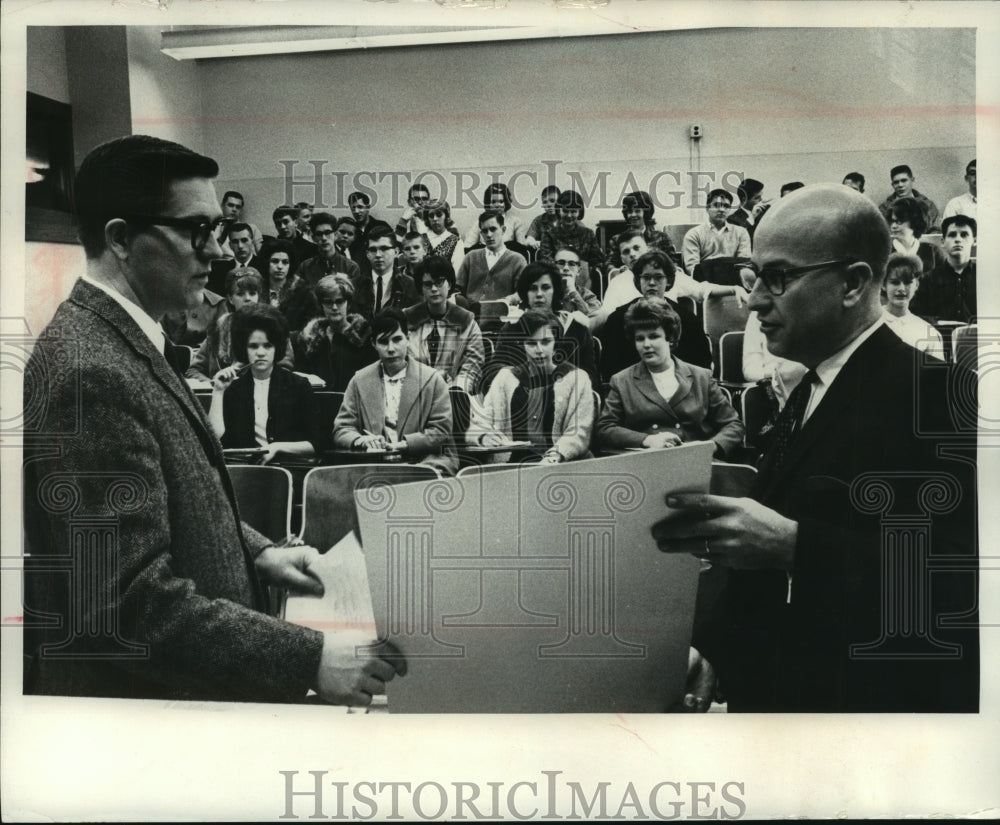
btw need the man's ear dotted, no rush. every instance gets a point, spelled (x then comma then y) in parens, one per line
(858, 279)
(116, 238)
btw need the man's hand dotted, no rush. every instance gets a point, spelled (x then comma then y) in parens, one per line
(700, 687)
(288, 567)
(370, 442)
(352, 668)
(737, 532)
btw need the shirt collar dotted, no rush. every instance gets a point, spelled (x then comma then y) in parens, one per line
(152, 329)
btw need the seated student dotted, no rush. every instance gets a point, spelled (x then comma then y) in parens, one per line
(966, 203)
(638, 212)
(902, 277)
(781, 375)
(304, 216)
(540, 224)
(413, 251)
(902, 178)
(244, 286)
(441, 233)
(384, 288)
(412, 220)
(488, 274)
(263, 404)
(653, 276)
(569, 233)
(338, 343)
(285, 219)
(549, 404)
(280, 257)
(576, 296)
(663, 401)
(189, 327)
(496, 199)
(906, 224)
(785, 190)
(397, 403)
(540, 288)
(443, 335)
(364, 224)
(717, 238)
(855, 180)
(347, 231)
(327, 261)
(948, 292)
(750, 194)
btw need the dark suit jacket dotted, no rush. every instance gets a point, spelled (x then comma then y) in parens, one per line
(402, 293)
(739, 218)
(163, 601)
(359, 249)
(698, 410)
(291, 412)
(867, 454)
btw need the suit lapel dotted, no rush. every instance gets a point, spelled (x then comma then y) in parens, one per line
(408, 396)
(644, 384)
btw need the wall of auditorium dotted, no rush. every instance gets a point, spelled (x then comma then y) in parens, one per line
(775, 104)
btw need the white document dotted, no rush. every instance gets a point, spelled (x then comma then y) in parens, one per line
(537, 589)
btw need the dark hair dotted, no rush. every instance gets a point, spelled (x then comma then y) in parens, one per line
(239, 226)
(320, 218)
(907, 268)
(719, 193)
(897, 170)
(550, 190)
(970, 167)
(791, 187)
(387, 322)
(348, 220)
(535, 319)
(491, 216)
(748, 189)
(857, 177)
(303, 205)
(535, 271)
(958, 220)
(244, 279)
(629, 235)
(418, 187)
(909, 210)
(280, 245)
(251, 318)
(659, 259)
(358, 196)
(413, 236)
(232, 193)
(643, 201)
(130, 175)
(571, 199)
(437, 267)
(494, 188)
(282, 211)
(653, 313)
(380, 232)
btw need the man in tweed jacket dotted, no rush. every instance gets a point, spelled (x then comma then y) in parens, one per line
(142, 580)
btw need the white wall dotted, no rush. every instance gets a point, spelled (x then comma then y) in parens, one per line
(47, 76)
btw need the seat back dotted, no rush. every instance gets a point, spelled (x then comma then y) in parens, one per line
(965, 346)
(756, 406)
(264, 494)
(724, 313)
(731, 358)
(328, 510)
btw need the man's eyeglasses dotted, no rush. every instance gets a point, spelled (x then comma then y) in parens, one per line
(775, 279)
(201, 228)
(570, 264)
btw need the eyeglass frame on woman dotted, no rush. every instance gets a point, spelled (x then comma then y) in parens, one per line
(782, 273)
(201, 228)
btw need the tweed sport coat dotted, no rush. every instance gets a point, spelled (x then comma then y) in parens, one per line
(136, 542)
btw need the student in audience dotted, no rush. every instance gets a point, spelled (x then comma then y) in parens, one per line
(717, 237)
(441, 235)
(653, 277)
(539, 400)
(750, 194)
(638, 212)
(541, 288)
(384, 287)
(336, 345)
(966, 203)
(347, 231)
(488, 274)
(303, 220)
(189, 327)
(569, 233)
(364, 224)
(417, 197)
(663, 401)
(244, 286)
(255, 401)
(902, 277)
(285, 220)
(906, 225)
(855, 180)
(496, 199)
(443, 335)
(278, 278)
(788, 187)
(902, 184)
(540, 224)
(398, 403)
(232, 211)
(414, 250)
(948, 292)
(577, 297)
(327, 261)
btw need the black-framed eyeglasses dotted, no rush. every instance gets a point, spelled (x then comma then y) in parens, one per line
(322, 233)
(333, 302)
(775, 279)
(201, 228)
(436, 282)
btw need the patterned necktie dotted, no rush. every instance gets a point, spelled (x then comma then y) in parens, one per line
(790, 420)
(378, 294)
(433, 343)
